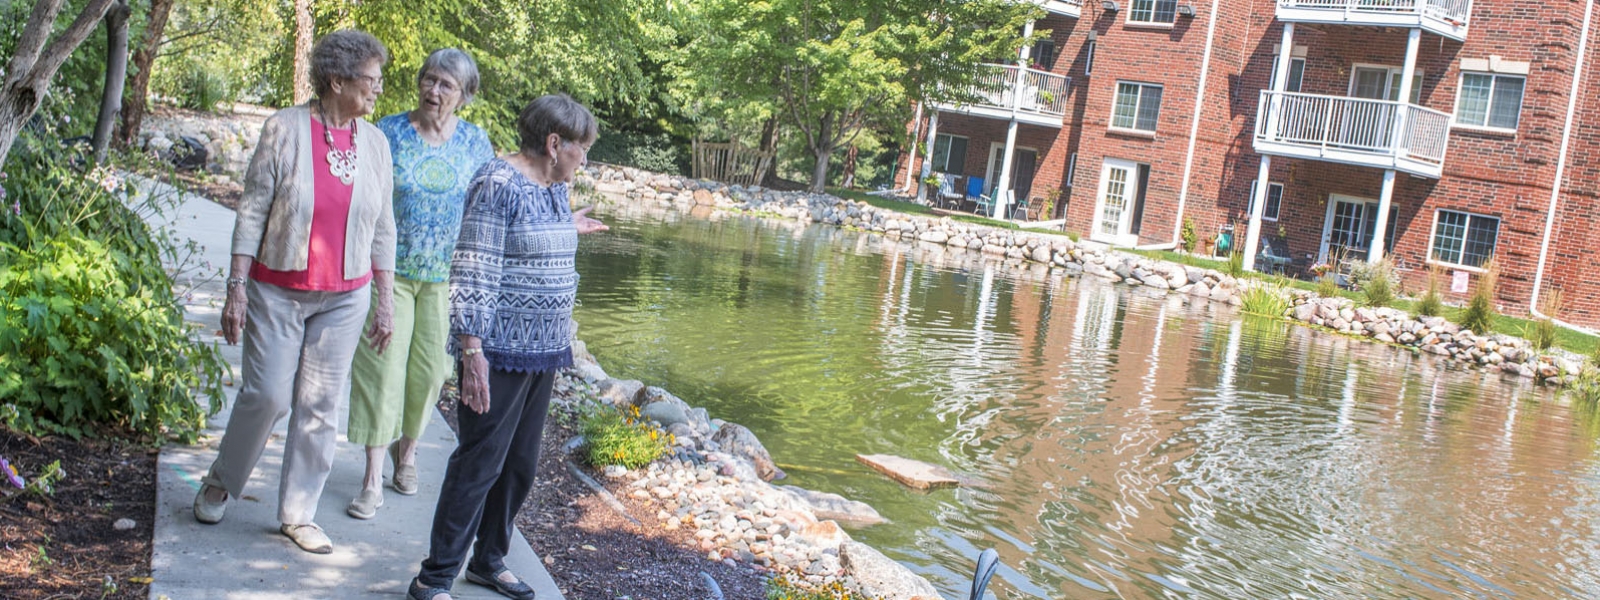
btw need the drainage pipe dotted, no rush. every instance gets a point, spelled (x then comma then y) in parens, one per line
(1194, 126)
(1561, 169)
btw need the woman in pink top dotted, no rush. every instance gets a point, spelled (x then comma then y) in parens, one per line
(314, 229)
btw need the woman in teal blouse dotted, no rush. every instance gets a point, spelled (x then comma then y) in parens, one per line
(435, 156)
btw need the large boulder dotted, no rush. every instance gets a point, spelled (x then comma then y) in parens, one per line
(619, 392)
(882, 577)
(833, 506)
(738, 441)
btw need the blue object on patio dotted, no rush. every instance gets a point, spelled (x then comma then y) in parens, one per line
(974, 187)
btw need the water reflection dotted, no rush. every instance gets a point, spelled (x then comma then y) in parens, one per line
(1125, 443)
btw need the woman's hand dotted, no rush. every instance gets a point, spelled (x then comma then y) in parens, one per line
(581, 220)
(233, 314)
(475, 382)
(383, 313)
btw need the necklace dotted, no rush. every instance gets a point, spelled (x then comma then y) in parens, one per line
(341, 163)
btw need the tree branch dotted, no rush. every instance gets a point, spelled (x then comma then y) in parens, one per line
(57, 52)
(34, 35)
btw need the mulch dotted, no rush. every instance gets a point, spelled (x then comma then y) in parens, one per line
(64, 545)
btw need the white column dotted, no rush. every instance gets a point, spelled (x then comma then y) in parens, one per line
(1385, 200)
(916, 128)
(1406, 74)
(927, 159)
(1001, 200)
(1280, 82)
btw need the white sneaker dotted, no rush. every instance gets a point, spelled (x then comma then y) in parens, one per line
(206, 511)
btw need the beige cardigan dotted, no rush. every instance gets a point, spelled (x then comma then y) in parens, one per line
(273, 222)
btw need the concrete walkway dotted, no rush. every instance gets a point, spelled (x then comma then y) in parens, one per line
(245, 557)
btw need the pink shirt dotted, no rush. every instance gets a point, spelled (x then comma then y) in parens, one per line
(325, 258)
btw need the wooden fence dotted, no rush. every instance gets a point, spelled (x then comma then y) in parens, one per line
(730, 162)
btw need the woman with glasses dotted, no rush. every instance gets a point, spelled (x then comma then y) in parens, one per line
(313, 250)
(512, 286)
(435, 155)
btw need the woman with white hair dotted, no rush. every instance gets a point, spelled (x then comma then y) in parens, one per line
(435, 155)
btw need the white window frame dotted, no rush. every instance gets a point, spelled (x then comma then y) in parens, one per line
(1272, 81)
(1152, 22)
(959, 168)
(1138, 105)
(1466, 231)
(1088, 62)
(1417, 78)
(1461, 84)
(1267, 212)
(1072, 168)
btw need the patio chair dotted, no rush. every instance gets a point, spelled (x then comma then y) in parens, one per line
(949, 195)
(984, 206)
(1021, 211)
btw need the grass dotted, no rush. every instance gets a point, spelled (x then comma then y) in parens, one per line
(1266, 300)
(913, 208)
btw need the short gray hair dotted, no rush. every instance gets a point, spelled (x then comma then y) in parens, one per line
(342, 54)
(558, 114)
(458, 65)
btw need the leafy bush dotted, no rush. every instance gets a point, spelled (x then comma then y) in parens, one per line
(1377, 289)
(1542, 332)
(1268, 300)
(1430, 305)
(1190, 238)
(1328, 285)
(1480, 312)
(785, 588)
(203, 90)
(614, 438)
(1236, 264)
(652, 152)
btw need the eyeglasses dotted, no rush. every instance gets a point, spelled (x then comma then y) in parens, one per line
(374, 82)
(445, 86)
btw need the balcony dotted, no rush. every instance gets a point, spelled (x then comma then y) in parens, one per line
(1443, 17)
(1353, 131)
(1041, 98)
(1065, 8)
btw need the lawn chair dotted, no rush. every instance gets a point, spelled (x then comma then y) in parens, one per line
(975, 189)
(949, 195)
(1020, 212)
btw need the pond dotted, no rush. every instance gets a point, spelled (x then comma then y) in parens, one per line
(1121, 442)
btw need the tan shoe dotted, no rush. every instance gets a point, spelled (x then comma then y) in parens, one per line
(309, 537)
(405, 476)
(206, 511)
(365, 506)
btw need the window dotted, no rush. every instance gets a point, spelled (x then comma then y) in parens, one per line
(1490, 100)
(1044, 54)
(1274, 201)
(1464, 239)
(1297, 73)
(949, 153)
(1153, 11)
(1088, 59)
(1072, 168)
(1137, 106)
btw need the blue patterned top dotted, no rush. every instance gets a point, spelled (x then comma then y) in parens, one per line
(513, 278)
(430, 187)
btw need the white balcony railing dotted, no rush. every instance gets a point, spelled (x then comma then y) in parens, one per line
(1444, 17)
(1358, 131)
(1068, 8)
(1040, 92)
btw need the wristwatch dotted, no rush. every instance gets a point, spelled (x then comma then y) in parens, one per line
(236, 281)
(471, 351)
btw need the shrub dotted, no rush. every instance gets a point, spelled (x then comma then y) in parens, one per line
(1480, 312)
(614, 438)
(1542, 332)
(1431, 305)
(1268, 300)
(1328, 285)
(785, 588)
(1378, 288)
(202, 89)
(652, 152)
(1236, 264)
(1190, 238)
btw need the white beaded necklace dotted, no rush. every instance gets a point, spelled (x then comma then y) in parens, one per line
(341, 163)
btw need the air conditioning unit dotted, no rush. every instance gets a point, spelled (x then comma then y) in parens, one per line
(1186, 10)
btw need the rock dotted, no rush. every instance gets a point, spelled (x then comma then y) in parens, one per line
(619, 392)
(1155, 280)
(124, 524)
(1195, 275)
(666, 413)
(1384, 337)
(912, 473)
(881, 577)
(1041, 254)
(826, 564)
(833, 506)
(616, 471)
(934, 237)
(824, 534)
(1305, 312)
(1176, 277)
(735, 439)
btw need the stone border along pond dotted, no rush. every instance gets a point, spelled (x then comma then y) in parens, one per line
(1510, 355)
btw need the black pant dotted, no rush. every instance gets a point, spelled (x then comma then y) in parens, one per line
(490, 474)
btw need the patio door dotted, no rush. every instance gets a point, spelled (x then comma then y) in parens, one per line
(1023, 164)
(1351, 222)
(1114, 203)
(1371, 125)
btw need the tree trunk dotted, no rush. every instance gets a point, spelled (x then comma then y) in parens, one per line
(849, 179)
(822, 148)
(303, 29)
(116, 75)
(769, 147)
(33, 65)
(135, 101)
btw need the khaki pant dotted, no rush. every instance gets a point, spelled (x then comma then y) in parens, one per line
(297, 351)
(394, 393)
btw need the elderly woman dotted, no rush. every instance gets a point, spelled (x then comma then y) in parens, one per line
(315, 229)
(435, 155)
(512, 286)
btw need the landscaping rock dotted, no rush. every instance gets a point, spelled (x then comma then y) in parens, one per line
(909, 472)
(738, 441)
(881, 577)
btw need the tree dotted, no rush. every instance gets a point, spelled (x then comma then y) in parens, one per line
(136, 103)
(304, 28)
(832, 68)
(116, 75)
(34, 65)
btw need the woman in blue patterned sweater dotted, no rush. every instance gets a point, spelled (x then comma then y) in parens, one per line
(512, 286)
(392, 394)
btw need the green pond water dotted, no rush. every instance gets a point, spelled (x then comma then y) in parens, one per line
(1121, 442)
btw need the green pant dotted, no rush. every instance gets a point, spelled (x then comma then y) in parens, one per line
(394, 393)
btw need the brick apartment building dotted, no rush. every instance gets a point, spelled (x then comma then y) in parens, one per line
(1144, 113)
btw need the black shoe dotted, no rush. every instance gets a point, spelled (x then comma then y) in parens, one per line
(514, 591)
(417, 591)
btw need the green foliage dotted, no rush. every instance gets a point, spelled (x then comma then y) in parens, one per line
(1543, 331)
(43, 483)
(1480, 313)
(1328, 286)
(1190, 238)
(1431, 305)
(1235, 264)
(1378, 289)
(1266, 300)
(785, 588)
(657, 153)
(614, 438)
(203, 90)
